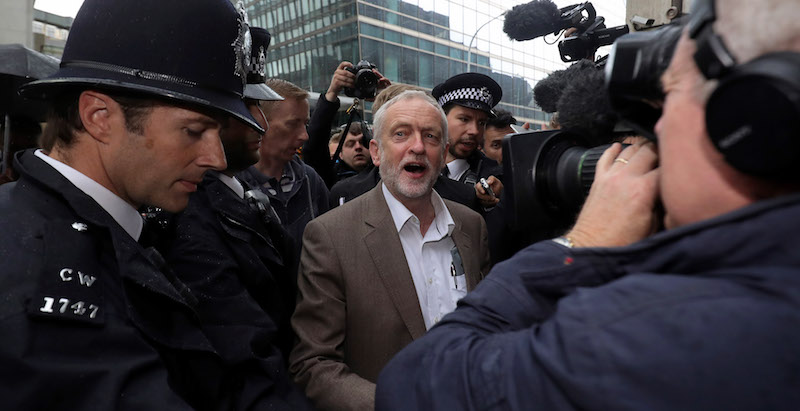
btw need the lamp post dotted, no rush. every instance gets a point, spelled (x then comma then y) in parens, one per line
(469, 50)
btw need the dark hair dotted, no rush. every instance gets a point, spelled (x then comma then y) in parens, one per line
(24, 130)
(502, 119)
(355, 128)
(63, 119)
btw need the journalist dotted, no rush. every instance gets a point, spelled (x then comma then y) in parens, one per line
(704, 315)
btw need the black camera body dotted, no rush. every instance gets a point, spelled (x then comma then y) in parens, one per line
(366, 80)
(548, 174)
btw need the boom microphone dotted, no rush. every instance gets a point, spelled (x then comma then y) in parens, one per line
(541, 17)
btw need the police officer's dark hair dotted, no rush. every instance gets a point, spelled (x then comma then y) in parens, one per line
(503, 119)
(63, 119)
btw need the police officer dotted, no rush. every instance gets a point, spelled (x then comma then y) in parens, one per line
(233, 253)
(468, 99)
(90, 318)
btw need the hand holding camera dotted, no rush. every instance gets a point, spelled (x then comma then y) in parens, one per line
(626, 185)
(361, 81)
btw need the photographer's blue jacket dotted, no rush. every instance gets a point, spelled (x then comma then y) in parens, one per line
(703, 317)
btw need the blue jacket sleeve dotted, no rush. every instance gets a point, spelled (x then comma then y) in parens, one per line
(499, 335)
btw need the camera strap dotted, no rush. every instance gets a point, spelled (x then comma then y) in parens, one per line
(353, 112)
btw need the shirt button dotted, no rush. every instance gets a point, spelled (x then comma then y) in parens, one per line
(430, 280)
(436, 320)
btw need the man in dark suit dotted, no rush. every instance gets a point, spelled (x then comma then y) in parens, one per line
(380, 270)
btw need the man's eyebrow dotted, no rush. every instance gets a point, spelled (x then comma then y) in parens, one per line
(206, 120)
(398, 124)
(433, 130)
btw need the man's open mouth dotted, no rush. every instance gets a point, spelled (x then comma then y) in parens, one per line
(415, 168)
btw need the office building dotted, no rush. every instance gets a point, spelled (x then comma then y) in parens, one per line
(419, 42)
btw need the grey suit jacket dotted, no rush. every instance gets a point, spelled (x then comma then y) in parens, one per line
(357, 305)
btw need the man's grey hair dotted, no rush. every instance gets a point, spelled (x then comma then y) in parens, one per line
(379, 120)
(752, 28)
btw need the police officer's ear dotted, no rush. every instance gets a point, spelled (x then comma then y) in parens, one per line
(373, 152)
(98, 113)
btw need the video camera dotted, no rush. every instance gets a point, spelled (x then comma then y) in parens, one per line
(547, 174)
(366, 81)
(541, 17)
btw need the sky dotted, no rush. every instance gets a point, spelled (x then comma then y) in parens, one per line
(68, 8)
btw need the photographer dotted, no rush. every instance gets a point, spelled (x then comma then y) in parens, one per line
(354, 156)
(315, 151)
(703, 315)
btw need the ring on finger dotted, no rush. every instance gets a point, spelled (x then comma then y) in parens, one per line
(620, 160)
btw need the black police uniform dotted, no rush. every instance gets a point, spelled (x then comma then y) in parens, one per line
(480, 92)
(480, 167)
(241, 267)
(88, 319)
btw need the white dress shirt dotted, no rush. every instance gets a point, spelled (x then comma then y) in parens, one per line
(429, 257)
(457, 168)
(229, 181)
(122, 212)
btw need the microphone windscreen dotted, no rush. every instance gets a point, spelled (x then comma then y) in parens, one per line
(548, 91)
(531, 20)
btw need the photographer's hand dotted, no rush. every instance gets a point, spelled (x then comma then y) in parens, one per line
(383, 82)
(340, 80)
(621, 206)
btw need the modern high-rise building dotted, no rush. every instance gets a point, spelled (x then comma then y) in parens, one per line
(418, 42)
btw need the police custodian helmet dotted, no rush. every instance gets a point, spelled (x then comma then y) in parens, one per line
(471, 90)
(196, 52)
(257, 74)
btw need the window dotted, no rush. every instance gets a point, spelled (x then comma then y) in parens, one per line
(372, 51)
(441, 69)
(425, 45)
(391, 62)
(409, 66)
(425, 71)
(409, 41)
(393, 36)
(370, 30)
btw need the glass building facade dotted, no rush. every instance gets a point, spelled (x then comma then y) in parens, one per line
(418, 42)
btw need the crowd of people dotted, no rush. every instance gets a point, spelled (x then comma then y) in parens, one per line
(187, 234)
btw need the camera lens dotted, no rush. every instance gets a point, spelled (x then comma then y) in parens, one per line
(366, 83)
(573, 175)
(566, 175)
